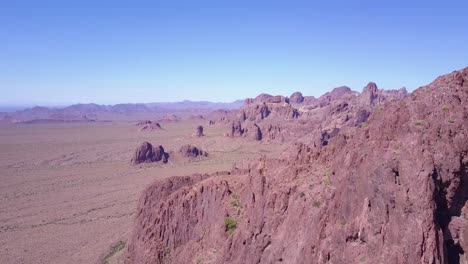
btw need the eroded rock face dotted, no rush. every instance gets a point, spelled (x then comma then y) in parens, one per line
(255, 112)
(256, 132)
(280, 121)
(296, 98)
(189, 151)
(394, 191)
(236, 130)
(266, 98)
(337, 93)
(371, 95)
(146, 153)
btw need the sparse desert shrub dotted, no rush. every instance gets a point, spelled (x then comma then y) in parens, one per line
(316, 203)
(342, 223)
(230, 224)
(235, 200)
(326, 177)
(116, 248)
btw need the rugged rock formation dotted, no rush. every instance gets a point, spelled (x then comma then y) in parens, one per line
(236, 130)
(254, 112)
(148, 125)
(258, 112)
(147, 153)
(266, 98)
(296, 98)
(371, 95)
(189, 151)
(393, 191)
(199, 131)
(280, 121)
(256, 132)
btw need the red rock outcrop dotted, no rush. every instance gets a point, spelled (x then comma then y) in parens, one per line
(371, 95)
(236, 130)
(296, 98)
(189, 151)
(148, 125)
(266, 98)
(337, 93)
(199, 131)
(146, 153)
(256, 132)
(394, 191)
(339, 108)
(258, 112)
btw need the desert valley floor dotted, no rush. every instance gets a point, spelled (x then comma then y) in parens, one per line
(68, 193)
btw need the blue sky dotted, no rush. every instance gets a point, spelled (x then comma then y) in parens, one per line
(58, 52)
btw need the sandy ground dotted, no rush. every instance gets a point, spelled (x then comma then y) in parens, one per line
(68, 192)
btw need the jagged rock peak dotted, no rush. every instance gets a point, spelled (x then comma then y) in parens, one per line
(296, 98)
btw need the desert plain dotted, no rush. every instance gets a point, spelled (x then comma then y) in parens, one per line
(68, 192)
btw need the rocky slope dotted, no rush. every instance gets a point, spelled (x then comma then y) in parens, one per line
(280, 119)
(392, 191)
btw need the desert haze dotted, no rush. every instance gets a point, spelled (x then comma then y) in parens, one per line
(377, 176)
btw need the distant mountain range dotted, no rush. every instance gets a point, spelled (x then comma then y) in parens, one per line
(92, 112)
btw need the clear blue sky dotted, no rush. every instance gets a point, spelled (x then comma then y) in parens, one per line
(144, 51)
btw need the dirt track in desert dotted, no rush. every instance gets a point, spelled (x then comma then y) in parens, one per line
(68, 192)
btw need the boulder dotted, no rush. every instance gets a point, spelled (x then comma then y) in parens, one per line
(296, 98)
(199, 131)
(146, 153)
(189, 151)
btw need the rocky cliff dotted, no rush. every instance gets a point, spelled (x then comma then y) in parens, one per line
(392, 191)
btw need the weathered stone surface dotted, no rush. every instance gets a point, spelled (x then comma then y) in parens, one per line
(393, 191)
(189, 151)
(147, 153)
(256, 132)
(266, 98)
(236, 129)
(296, 98)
